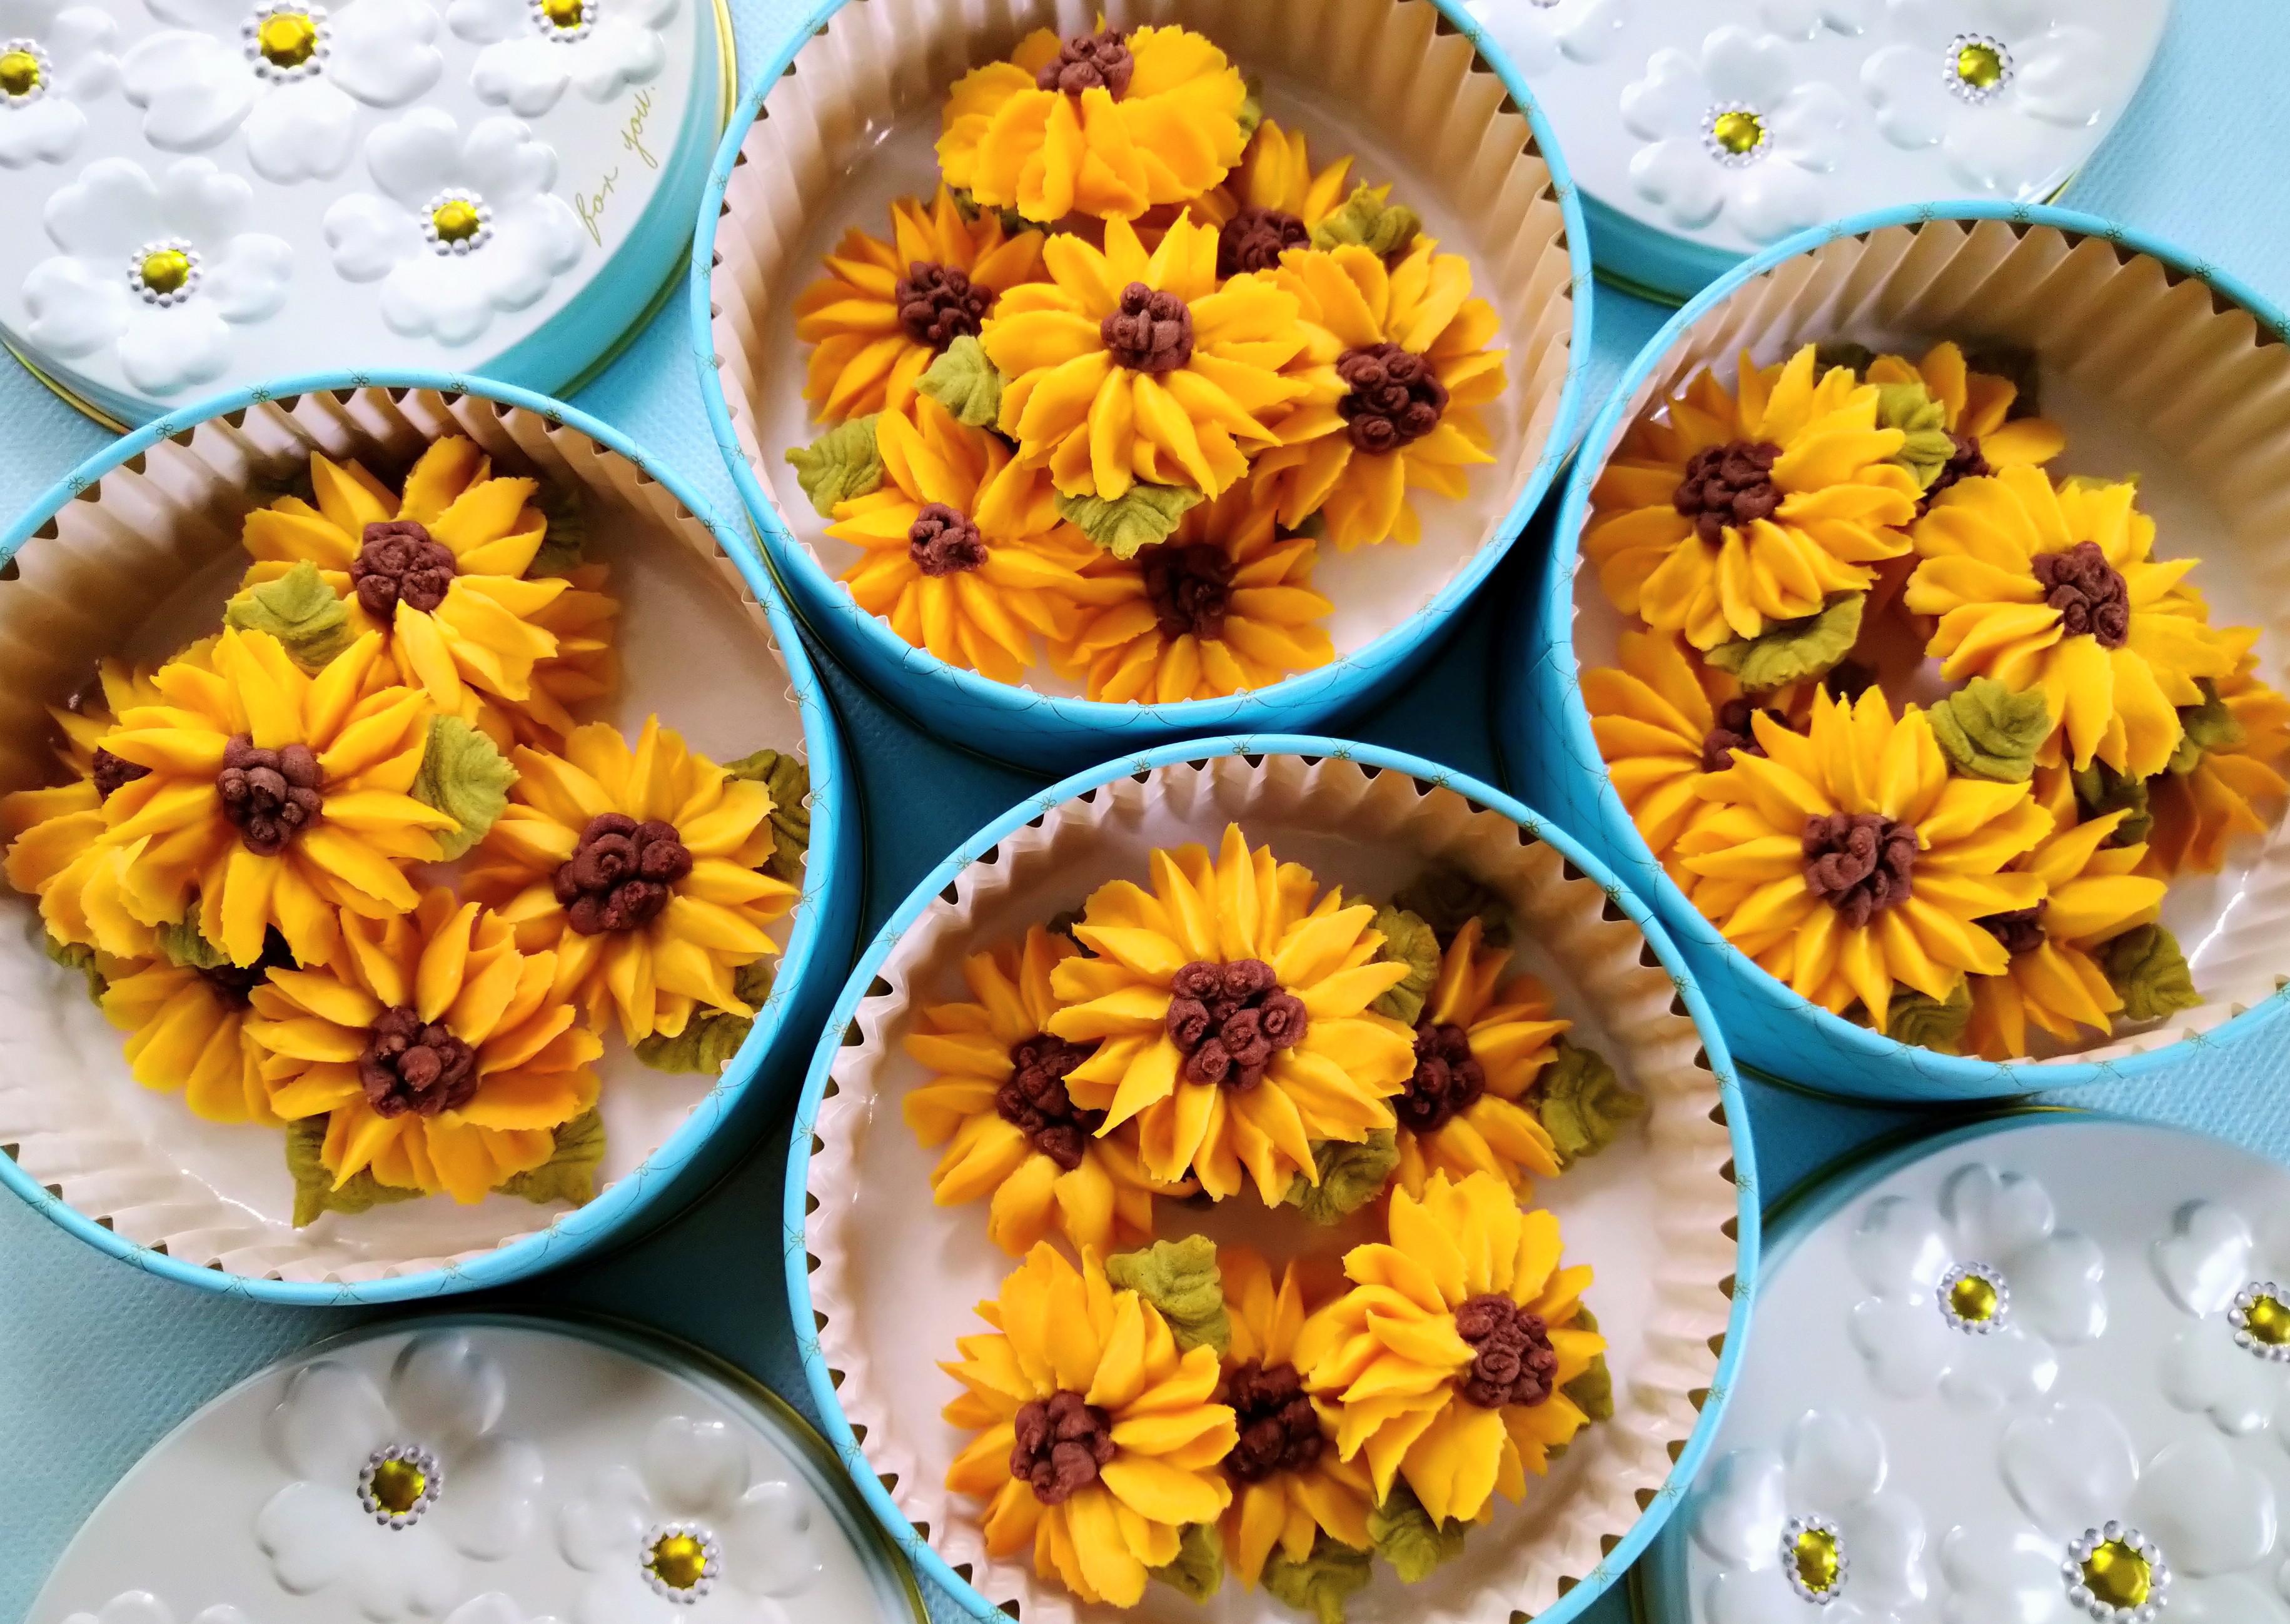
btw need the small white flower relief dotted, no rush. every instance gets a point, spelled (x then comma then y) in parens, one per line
(691, 1537)
(160, 270)
(534, 48)
(1972, 1295)
(1810, 1531)
(2233, 1363)
(55, 58)
(464, 226)
(1538, 35)
(142, 1607)
(2185, 1537)
(1731, 134)
(388, 1493)
(1807, 18)
(290, 72)
(1998, 87)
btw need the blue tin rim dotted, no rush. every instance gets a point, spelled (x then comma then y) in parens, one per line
(584, 1227)
(795, 1217)
(1328, 685)
(1962, 1075)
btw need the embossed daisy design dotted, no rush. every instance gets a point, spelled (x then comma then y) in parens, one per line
(55, 59)
(2233, 1277)
(533, 49)
(1539, 34)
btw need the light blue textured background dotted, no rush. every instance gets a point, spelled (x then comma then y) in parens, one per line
(97, 1360)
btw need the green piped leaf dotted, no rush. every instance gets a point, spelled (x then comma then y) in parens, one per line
(789, 780)
(1987, 731)
(1406, 1536)
(300, 611)
(1583, 1106)
(1143, 517)
(1929, 1023)
(710, 1038)
(1364, 219)
(2100, 790)
(1409, 940)
(183, 945)
(1251, 107)
(1351, 1177)
(1323, 1582)
(1012, 222)
(1910, 408)
(1445, 898)
(80, 957)
(840, 464)
(565, 544)
(314, 1195)
(1593, 1391)
(1181, 1279)
(1198, 1570)
(2149, 973)
(570, 1173)
(2018, 367)
(2209, 726)
(964, 382)
(1855, 358)
(465, 776)
(1791, 651)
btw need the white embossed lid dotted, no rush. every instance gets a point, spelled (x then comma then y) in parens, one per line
(486, 1470)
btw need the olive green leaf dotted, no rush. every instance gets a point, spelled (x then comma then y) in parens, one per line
(2149, 973)
(1012, 222)
(1251, 107)
(1583, 1106)
(1855, 358)
(1406, 1537)
(565, 544)
(1593, 1391)
(1181, 1279)
(300, 611)
(80, 957)
(314, 1195)
(2100, 790)
(1910, 408)
(709, 1039)
(1198, 1570)
(1928, 1022)
(465, 776)
(1408, 941)
(1351, 1177)
(1443, 898)
(964, 382)
(789, 780)
(1141, 517)
(1323, 1582)
(2017, 367)
(840, 464)
(2209, 726)
(1364, 219)
(570, 1173)
(1987, 731)
(1791, 651)
(184, 944)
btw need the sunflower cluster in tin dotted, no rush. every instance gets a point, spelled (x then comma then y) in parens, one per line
(1979, 869)
(1101, 400)
(351, 869)
(1179, 1412)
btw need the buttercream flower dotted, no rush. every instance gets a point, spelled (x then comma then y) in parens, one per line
(158, 270)
(962, 550)
(1288, 1485)
(1399, 368)
(463, 227)
(48, 828)
(1720, 513)
(55, 56)
(1106, 123)
(2059, 589)
(2232, 1363)
(886, 310)
(1229, 1006)
(1127, 366)
(534, 48)
(638, 868)
(2092, 893)
(1443, 1363)
(1977, 410)
(2215, 788)
(1073, 1362)
(186, 1034)
(289, 73)
(442, 1057)
(1272, 200)
(997, 1101)
(1848, 859)
(1224, 606)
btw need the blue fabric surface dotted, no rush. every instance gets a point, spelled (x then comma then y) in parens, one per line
(97, 1360)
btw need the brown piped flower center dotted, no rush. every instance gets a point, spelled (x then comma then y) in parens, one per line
(1734, 731)
(1279, 1429)
(1964, 463)
(1254, 239)
(1228, 1020)
(2020, 931)
(1090, 61)
(270, 795)
(1190, 586)
(1448, 1079)
(399, 564)
(1728, 485)
(1148, 331)
(944, 542)
(2090, 593)
(414, 1065)
(1036, 1103)
(1061, 1444)
(1514, 1362)
(939, 304)
(1859, 863)
(234, 984)
(1396, 397)
(109, 773)
(618, 878)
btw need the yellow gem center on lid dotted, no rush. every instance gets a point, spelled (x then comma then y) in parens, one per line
(165, 270)
(20, 73)
(1739, 131)
(1815, 1557)
(1972, 1299)
(564, 13)
(2118, 1575)
(286, 39)
(399, 1486)
(1980, 66)
(2267, 1321)
(678, 1560)
(456, 220)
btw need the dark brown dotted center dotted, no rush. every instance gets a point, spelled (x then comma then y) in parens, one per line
(1190, 586)
(1448, 1079)
(1148, 331)
(619, 876)
(1964, 462)
(1061, 1444)
(399, 564)
(1090, 61)
(944, 542)
(939, 304)
(1228, 1020)
(1734, 731)
(417, 1065)
(1728, 485)
(2020, 931)
(1279, 1429)
(234, 984)
(1253, 239)
(1036, 1103)
(1514, 1363)
(1396, 397)
(1859, 863)
(269, 795)
(109, 772)
(2090, 594)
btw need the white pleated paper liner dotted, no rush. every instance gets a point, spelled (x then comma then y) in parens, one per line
(893, 1280)
(2155, 365)
(135, 556)
(1408, 86)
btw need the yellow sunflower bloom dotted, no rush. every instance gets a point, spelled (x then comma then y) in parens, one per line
(998, 1104)
(186, 1034)
(47, 829)
(1444, 1361)
(1479, 1045)
(1850, 858)
(1071, 1360)
(1976, 409)
(1224, 606)
(2092, 893)
(1129, 366)
(1231, 1012)
(964, 552)
(2059, 589)
(886, 310)
(442, 1058)
(1271, 200)
(637, 869)
(1738, 511)
(1288, 1485)
(1106, 123)
(1399, 368)
(2203, 805)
